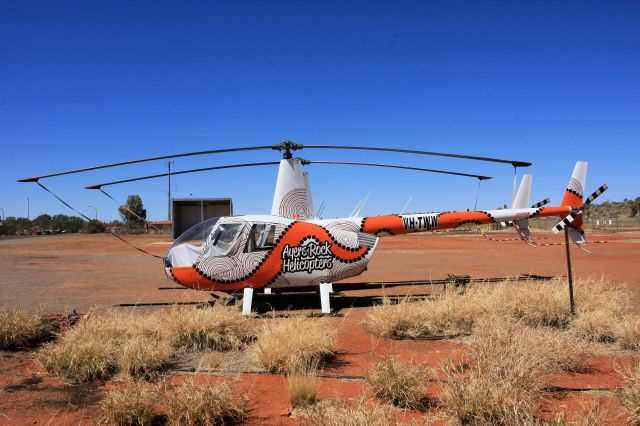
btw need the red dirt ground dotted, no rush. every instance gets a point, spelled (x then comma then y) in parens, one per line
(61, 273)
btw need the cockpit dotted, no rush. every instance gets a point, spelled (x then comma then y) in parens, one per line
(208, 237)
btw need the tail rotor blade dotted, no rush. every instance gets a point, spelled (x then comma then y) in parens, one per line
(563, 223)
(595, 195)
(541, 203)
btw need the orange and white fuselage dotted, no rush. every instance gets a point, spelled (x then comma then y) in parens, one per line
(314, 251)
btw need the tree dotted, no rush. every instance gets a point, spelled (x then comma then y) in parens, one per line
(62, 222)
(634, 210)
(93, 227)
(133, 213)
(15, 225)
(43, 221)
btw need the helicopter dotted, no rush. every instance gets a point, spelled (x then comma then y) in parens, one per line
(292, 247)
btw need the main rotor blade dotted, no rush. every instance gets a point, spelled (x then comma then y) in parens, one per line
(232, 166)
(162, 157)
(274, 163)
(286, 146)
(393, 166)
(514, 163)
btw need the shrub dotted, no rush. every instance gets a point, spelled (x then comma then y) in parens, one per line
(94, 227)
(211, 404)
(21, 329)
(133, 404)
(400, 384)
(291, 342)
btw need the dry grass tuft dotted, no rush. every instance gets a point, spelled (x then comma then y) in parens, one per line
(141, 344)
(143, 357)
(628, 333)
(80, 360)
(218, 327)
(630, 395)
(601, 306)
(449, 314)
(598, 326)
(400, 384)
(302, 383)
(21, 329)
(133, 404)
(290, 342)
(504, 376)
(359, 414)
(211, 404)
(100, 345)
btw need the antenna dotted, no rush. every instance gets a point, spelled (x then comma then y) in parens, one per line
(406, 205)
(362, 205)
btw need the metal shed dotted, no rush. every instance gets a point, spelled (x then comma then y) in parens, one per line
(187, 212)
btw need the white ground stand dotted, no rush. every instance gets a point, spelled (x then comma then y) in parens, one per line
(325, 302)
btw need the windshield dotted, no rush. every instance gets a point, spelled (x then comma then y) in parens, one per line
(197, 234)
(188, 246)
(223, 238)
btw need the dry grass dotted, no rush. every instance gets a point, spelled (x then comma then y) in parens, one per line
(143, 357)
(218, 327)
(210, 404)
(141, 344)
(598, 326)
(628, 333)
(80, 360)
(601, 306)
(302, 383)
(400, 384)
(450, 313)
(104, 343)
(595, 414)
(211, 360)
(133, 404)
(358, 414)
(290, 342)
(21, 329)
(503, 379)
(630, 395)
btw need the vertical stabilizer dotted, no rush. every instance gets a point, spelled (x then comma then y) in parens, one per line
(522, 202)
(575, 190)
(524, 193)
(573, 197)
(292, 198)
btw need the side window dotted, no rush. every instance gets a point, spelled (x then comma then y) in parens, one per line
(261, 237)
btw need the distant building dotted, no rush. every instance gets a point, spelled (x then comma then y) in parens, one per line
(187, 212)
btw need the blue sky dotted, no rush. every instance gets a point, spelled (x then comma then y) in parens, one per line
(86, 82)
